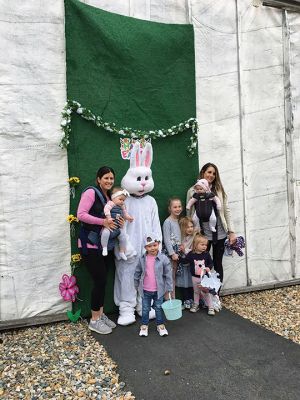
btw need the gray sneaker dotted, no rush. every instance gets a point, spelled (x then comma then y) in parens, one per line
(108, 321)
(99, 326)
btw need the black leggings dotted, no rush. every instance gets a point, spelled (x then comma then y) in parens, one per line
(187, 293)
(218, 251)
(97, 265)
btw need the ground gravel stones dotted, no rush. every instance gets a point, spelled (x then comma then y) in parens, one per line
(277, 310)
(64, 361)
(59, 361)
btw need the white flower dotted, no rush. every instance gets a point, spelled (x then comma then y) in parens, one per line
(69, 111)
(79, 110)
(64, 122)
(121, 132)
(170, 130)
(187, 125)
(193, 145)
(160, 133)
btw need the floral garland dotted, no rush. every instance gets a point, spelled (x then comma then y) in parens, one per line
(73, 106)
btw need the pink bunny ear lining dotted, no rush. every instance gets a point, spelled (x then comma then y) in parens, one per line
(147, 155)
(137, 158)
(148, 159)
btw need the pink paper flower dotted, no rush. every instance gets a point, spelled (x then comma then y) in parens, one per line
(68, 288)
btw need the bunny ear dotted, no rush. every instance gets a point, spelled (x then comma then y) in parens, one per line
(147, 155)
(135, 155)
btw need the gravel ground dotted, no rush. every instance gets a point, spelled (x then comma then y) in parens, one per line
(59, 361)
(277, 310)
(63, 360)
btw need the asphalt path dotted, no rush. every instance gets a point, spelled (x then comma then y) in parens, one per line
(206, 358)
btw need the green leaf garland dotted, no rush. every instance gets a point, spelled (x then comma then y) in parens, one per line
(74, 107)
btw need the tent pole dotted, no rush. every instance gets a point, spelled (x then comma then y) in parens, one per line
(288, 115)
(241, 120)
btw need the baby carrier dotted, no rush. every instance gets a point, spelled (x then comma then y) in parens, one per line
(204, 207)
(92, 233)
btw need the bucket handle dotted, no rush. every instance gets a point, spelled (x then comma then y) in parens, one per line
(170, 298)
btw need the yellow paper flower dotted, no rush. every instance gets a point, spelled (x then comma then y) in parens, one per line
(71, 218)
(74, 180)
(76, 258)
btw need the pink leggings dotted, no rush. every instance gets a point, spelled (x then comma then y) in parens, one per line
(198, 292)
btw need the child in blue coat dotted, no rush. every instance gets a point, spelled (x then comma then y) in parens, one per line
(153, 278)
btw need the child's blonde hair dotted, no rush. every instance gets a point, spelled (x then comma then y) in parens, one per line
(184, 223)
(198, 237)
(170, 201)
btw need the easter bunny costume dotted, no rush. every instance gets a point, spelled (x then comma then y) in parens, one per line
(143, 208)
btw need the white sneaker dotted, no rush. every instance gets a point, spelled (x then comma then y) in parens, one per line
(194, 308)
(211, 311)
(144, 330)
(122, 256)
(161, 329)
(99, 326)
(108, 321)
(104, 251)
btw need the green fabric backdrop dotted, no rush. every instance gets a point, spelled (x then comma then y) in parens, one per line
(135, 73)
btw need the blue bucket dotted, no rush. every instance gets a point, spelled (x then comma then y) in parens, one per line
(172, 309)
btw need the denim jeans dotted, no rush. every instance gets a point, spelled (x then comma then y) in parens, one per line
(146, 307)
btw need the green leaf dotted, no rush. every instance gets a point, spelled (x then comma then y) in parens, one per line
(74, 317)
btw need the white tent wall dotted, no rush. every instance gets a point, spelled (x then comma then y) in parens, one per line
(218, 111)
(264, 144)
(243, 115)
(242, 111)
(34, 199)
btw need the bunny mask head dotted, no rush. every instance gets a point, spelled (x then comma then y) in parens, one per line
(138, 179)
